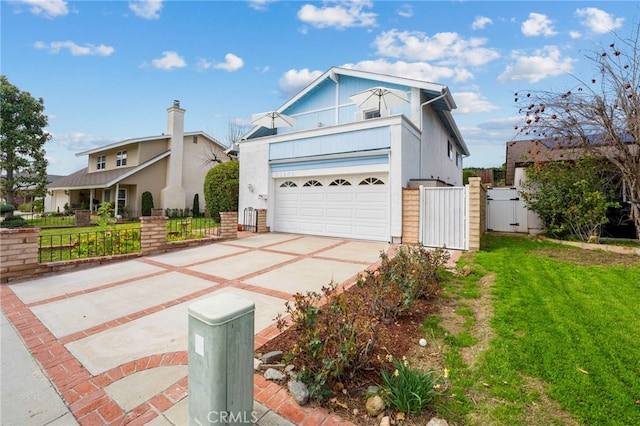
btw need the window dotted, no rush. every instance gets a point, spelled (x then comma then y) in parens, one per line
(371, 181)
(288, 184)
(101, 163)
(106, 195)
(340, 182)
(458, 160)
(450, 150)
(121, 159)
(122, 197)
(312, 182)
(371, 114)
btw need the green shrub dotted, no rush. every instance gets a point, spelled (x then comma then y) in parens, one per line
(147, 203)
(333, 341)
(196, 205)
(7, 208)
(24, 207)
(399, 281)
(14, 222)
(221, 186)
(407, 389)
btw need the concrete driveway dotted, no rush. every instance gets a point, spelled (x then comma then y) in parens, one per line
(111, 341)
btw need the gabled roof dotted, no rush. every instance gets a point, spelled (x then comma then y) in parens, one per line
(145, 139)
(82, 179)
(442, 106)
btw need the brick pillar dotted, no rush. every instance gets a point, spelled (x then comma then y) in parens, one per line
(18, 253)
(262, 221)
(410, 215)
(477, 212)
(229, 225)
(83, 217)
(153, 234)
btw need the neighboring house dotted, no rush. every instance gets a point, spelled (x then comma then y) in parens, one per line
(171, 166)
(339, 170)
(25, 195)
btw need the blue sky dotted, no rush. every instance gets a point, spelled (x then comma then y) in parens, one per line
(108, 70)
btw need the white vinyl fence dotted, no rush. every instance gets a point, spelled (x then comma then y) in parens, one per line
(444, 217)
(506, 211)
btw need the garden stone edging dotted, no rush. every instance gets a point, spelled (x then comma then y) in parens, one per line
(590, 246)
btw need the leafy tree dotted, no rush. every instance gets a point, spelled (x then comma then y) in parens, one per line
(466, 174)
(601, 114)
(221, 187)
(571, 198)
(22, 138)
(147, 203)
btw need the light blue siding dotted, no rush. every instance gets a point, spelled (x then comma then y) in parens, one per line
(319, 105)
(341, 162)
(362, 140)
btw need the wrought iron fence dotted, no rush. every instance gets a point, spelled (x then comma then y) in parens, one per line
(82, 245)
(188, 228)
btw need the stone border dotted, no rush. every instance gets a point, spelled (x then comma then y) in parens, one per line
(590, 246)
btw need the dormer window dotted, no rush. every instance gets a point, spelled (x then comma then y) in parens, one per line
(101, 162)
(121, 159)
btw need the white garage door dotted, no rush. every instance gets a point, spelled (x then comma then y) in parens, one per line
(346, 206)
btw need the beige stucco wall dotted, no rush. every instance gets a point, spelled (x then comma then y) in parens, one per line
(151, 178)
(149, 149)
(196, 166)
(110, 160)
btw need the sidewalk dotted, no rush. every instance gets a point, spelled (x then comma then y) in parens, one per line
(108, 345)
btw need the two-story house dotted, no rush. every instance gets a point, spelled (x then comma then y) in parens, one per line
(347, 146)
(171, 166)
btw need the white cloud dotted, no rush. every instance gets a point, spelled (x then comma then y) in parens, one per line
(598, 21)
(406, 11)
(147, 9)
(415, 70)
(446, 47)
(75, 49)
(169, 61)
(480, 22)
(231, 63)
(472, 102)
(575, 34)
(341, 16)
(260, 5)
(537, 25)
(46, 8)
(545, 62)
(295, 80)
(78, 142)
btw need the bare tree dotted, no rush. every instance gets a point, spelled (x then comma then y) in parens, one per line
(600, 114)
(235, 130)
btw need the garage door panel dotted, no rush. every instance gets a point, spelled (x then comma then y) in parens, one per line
(347, 211)
(340, 197)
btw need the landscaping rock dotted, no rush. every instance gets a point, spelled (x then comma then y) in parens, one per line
(273, 374)
(372, 390)
(299, 391)
(272, 357)
(256, 364)
(375, 406)
(386, 421)
(437, 422)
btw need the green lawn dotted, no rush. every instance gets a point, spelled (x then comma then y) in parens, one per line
(567, 325)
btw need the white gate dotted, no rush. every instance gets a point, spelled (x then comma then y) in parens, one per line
(506, 211)
(444, 217)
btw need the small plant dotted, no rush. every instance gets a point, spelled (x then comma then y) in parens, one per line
(147, 203)
(196, 205)
(410, 275)
(6, 208)
(334, 340)
(407, 389)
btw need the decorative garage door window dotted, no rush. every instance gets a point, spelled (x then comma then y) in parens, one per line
(288, 184)
(371, 181)
(340, 182)
(312, 182)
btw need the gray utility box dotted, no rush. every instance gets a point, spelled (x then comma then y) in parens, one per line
(221, 335)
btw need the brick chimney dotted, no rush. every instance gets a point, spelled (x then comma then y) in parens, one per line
(173, 195)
